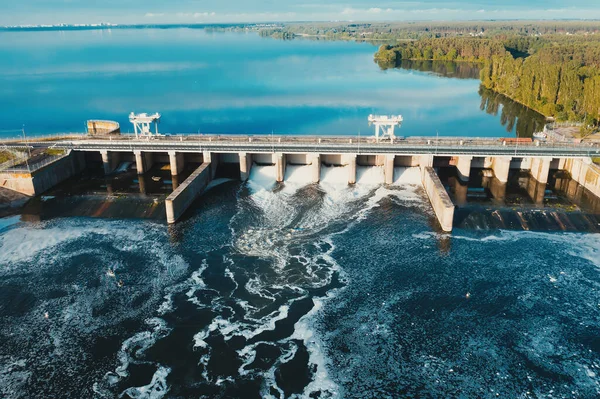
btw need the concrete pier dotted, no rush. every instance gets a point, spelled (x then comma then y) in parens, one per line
(440, 200)
(536, 191)
(389, 169)
(245, 165)
(179, 201)
(540, 169)
(177, 162)
(110, 161)
(316, 168)
(212, 159)
(351, 160)
(280, 165)
(463, 166)
(143, 161)
(139, 162)
(497, 189)
(501, 166)
(426, 161)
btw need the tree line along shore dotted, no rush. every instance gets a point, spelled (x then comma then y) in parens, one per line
(558, 75)
(552, 67)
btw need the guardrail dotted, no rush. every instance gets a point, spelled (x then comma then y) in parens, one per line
(13, 162)
(29, 167)
(360, 145)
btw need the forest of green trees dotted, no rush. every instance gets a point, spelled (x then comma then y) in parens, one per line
(557, 75)
(393, 31)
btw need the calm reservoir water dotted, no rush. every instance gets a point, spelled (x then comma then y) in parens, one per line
(231, 83)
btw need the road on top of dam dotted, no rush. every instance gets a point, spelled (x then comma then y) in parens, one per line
(312, 144)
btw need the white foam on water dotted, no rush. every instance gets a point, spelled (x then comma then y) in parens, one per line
(166, 306)
(29, 241)
(262, 177)
(135, 346)
(334, 175)
(298, 174)
(47, 248)
(370, 175)
(407, 175)
(279, 226)
(248, 328)
(196, 283)
(270, 381)
(304, 331)
(156, 389)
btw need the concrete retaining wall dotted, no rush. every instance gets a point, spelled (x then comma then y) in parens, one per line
(180, 200)
(43, 179)
(440, 201)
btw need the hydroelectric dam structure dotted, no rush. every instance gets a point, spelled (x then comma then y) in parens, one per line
(244, 152)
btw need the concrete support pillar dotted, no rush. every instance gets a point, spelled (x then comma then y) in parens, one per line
(501, 166)
(139, 162)
(351, 159)
(105, 161)
(536, 191)
(426, 161)
(498, 190)
(460, 192)
(389, 169)
(177, 162)
(463, 166)
(540, 168)
(142, 183)
(245, 165)
(279, 166)
(316, 168)
(212, 159)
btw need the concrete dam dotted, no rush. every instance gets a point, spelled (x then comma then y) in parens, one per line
(421, 156)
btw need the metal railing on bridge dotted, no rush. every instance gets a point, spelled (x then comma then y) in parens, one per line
(358, 144)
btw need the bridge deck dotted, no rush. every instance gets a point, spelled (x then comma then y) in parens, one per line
(323, 145)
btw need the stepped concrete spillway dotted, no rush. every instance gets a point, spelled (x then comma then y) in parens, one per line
(212, 151)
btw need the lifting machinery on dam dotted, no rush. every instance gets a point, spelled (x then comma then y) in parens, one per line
(385, 124)
(141, 124)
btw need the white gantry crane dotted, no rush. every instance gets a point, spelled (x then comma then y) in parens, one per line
(386, 125)
(141, 124)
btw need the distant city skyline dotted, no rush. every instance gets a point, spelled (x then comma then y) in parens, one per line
(225, 11)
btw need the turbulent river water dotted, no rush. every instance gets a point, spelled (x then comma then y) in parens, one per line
(297, 290)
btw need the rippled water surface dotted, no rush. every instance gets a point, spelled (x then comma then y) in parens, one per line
(235, 83)
(296, 290)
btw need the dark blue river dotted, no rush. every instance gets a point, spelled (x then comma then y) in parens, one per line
(296, 290)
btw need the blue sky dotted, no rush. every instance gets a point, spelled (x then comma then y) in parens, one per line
(203, 11)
